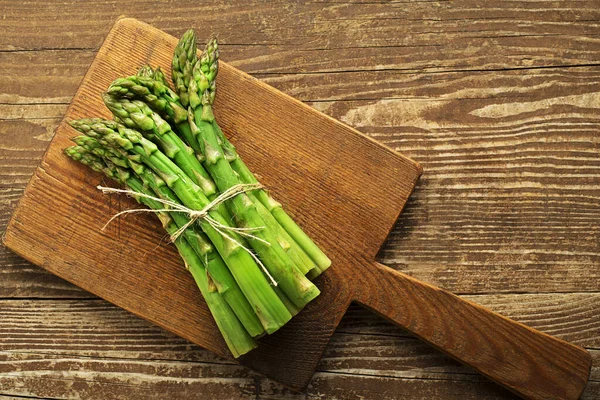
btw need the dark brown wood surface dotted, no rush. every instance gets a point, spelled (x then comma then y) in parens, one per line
(527, 136)
(345, 189)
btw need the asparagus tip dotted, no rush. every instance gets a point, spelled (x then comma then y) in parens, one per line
(146, 71)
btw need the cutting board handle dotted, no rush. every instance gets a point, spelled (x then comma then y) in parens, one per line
(529, 363)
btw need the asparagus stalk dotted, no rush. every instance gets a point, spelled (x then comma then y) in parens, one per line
(274, 207)
(224, 281)
(156, 74)
(155, 93)
(157, 98)
(201, 95)
(136, 114)
(270, 310)
(160, 98)
(209, 69)
(308, 253)
(183, 61)
(236, 337)
(160, 76)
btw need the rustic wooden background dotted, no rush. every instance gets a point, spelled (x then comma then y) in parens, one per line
(499, 101)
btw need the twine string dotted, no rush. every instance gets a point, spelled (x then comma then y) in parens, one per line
(195, 215)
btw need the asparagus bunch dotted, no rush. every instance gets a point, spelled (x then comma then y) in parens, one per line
(250, 260)
(202, 92)
(217, 269)
(195, 250)
(196, 80)
(117, 138)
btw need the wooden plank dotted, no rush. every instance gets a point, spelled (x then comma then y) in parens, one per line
(94, 327)
(486, 87)
(341, 386)
(515, 34)
(86, 336)
(91, 328)
(53, 376)
(398, 357)
(21, 279)
(443, 88)
(553, 313)
(53, 76)
(359, 387)
(50, 376)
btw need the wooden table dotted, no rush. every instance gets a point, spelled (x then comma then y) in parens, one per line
(499, 101)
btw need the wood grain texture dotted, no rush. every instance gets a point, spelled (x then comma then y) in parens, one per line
(356, 191)
(96, 328)
(552, 138)
(499, 240)
(89, 341)
(339, 195)
(480, 33)
(523, 360)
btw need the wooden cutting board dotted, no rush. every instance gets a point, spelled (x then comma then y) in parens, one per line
(343, 188)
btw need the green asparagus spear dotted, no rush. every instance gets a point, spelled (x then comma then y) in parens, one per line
(247, 176)
(269, 309)
(184, 59)
(158, 99)
(225, 283)
(137, 115)
(201, 95)
(275, 208)
(157, 95)
(159, 76)
(236, 337)
(207, 81)
(146, 71)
